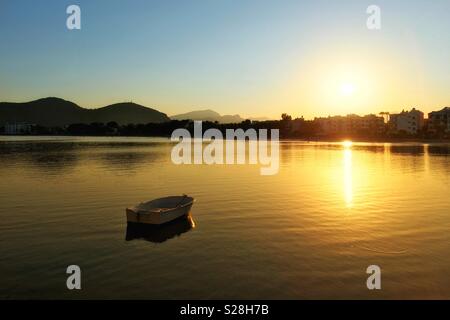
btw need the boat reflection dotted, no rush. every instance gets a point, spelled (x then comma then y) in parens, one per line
(159, 233)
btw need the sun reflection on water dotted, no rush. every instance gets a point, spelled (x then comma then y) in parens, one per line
(347, 144)
(348, 176)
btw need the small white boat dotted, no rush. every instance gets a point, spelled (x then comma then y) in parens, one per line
(160, 210)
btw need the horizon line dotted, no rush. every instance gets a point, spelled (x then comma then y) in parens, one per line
(267, 118)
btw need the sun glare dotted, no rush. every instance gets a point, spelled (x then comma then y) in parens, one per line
(347, 144)
(347, 89)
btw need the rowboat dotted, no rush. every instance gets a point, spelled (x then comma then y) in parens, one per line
(160, 210)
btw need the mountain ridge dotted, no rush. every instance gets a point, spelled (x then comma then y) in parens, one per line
(53, 111)
(208, 115)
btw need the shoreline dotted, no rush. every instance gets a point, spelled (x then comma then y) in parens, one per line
(285, 139)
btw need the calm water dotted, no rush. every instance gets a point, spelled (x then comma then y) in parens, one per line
(309, 232)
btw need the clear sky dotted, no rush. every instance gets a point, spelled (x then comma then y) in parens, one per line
(252, 57)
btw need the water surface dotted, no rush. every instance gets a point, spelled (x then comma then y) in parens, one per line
(308, 232)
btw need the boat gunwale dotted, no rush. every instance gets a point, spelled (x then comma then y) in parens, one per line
(135, 210)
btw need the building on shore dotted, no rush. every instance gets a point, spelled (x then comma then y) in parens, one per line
(439, 121)
(18, 128)
(410, 122)
(351, 124)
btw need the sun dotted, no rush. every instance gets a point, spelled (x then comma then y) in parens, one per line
(347, 89)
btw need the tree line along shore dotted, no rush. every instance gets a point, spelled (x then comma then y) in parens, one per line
(314, 130)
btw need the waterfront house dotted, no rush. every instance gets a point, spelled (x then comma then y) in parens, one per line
(439, 120)
(18, 128)
(410, 122)
(351, 124)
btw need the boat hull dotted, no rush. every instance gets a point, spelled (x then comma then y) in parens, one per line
(157, 217)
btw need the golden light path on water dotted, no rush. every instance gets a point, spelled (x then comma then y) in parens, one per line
(348, 177)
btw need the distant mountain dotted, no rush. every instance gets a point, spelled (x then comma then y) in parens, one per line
(127, 112)
(260, 119)
(208, 115)
(58, 112)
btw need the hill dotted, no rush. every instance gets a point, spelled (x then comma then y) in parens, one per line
(208, 115)
(125, 113)
(53, 112)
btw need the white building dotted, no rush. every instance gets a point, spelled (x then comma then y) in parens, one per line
(406, 121)
(18, 128)
(351, 124)
(439, 120)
